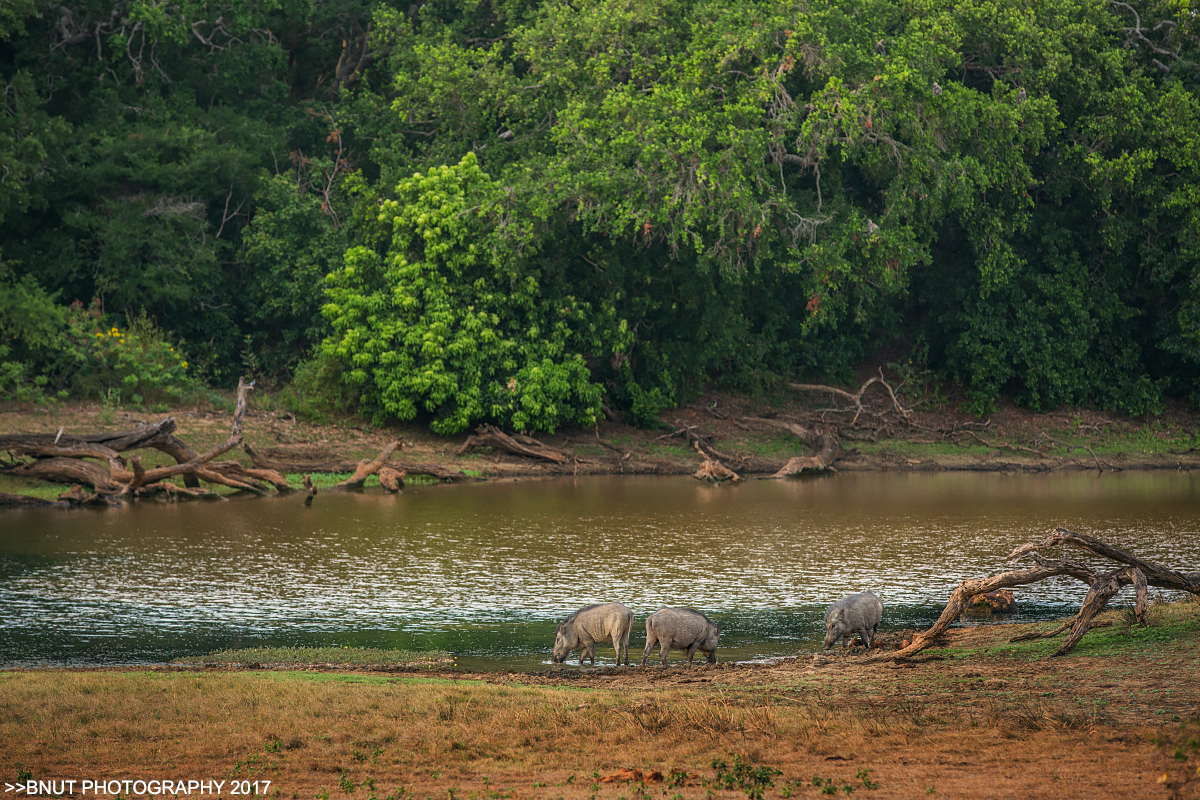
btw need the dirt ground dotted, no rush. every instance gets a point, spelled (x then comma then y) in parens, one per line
(976, 718)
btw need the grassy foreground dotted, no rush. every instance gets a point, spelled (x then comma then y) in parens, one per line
(299, 657)
(977, 718)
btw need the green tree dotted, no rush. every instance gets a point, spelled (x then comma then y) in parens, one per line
(435, 318)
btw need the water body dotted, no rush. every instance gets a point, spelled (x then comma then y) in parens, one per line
(484, 570)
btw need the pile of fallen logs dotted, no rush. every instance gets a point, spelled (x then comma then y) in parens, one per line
(95, 461)
(1132, 571)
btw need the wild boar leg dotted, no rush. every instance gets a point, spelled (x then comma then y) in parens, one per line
(651, 640)
(691, 653)
(666, 648)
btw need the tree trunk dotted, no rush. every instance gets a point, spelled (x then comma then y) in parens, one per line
(823, 440)
(1135, 572)
(390, 479)
(528, 447)
(368, 467)
(301, 467)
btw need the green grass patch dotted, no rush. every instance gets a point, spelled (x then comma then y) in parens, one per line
(321, 656)
(1169, 626)
(32, 488)
(326, 480)
(770, 445)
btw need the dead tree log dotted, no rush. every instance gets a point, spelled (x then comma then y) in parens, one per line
(69, 470)
(78, 496)
(171, 492)
(301, 467)
(158, 436)
(68, 449)
(368, 467)
(528, 447)
(390, 479)
(715, 472)
(1135, 572)
(823, 439)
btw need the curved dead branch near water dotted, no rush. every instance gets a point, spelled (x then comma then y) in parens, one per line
(1133, 571)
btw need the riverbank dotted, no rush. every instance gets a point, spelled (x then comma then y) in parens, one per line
(975, 718)
(748, 436)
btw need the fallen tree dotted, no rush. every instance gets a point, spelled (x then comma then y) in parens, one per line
(75, 460)
(517, 444)
(822, 439)
(1104, 586)
(159, 436)
(62, 459)
(300, 467)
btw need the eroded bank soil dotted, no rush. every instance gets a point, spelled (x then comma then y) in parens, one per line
(740, 431)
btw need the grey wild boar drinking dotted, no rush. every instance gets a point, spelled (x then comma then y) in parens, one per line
(857, 613)
(684, 629)
(599, 622)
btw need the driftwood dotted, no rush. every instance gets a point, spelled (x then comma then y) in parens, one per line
(65, 459)
(69, 470)
(171, 492)
(368, 467)
(390, 479)
(78, 496)
(61, 459)
(715, 472)
(1103, 587)
(527, 446)
(824, 440)
(299, 467)
(159, 436)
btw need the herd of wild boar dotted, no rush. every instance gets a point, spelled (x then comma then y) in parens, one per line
(689, 630)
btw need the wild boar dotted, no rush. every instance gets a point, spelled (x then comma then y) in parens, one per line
(859, 612)
(598, 622)
(682, 628)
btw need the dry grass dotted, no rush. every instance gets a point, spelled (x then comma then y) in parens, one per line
(363, 736)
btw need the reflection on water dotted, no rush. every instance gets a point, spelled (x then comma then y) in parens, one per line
(483, 570)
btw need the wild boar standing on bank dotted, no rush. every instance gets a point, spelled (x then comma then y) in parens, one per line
(599, 622)
(681, 628)
(859, 612)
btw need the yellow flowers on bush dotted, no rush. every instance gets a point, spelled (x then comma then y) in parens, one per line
(137, 363)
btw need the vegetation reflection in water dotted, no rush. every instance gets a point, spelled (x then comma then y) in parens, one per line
(484, 570)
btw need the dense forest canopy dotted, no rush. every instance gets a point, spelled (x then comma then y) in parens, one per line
(518, 210)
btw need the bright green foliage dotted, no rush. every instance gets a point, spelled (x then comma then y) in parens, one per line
(137, 364)
(680, 192)
(433, 318)
(769, 183)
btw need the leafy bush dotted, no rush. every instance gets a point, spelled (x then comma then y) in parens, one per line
(138, 363)
(318, 390)
(436, 318)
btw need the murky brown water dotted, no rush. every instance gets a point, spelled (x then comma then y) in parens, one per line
(484, 569)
